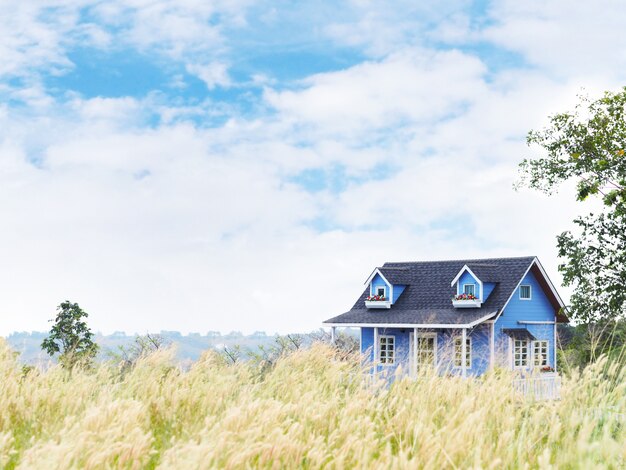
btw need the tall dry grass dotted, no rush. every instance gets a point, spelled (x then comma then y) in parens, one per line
(310, 411)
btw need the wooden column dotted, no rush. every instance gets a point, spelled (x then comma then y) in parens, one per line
(464, 352)
(492, 346)
(415, 352)
(333, 334)
(554, 345)
(376, 346)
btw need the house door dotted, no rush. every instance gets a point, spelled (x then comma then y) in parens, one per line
(426, 350)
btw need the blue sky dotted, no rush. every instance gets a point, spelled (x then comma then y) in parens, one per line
(242, 165)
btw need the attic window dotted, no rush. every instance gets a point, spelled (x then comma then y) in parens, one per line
(524, 292)
(469, 289)
(381, 291)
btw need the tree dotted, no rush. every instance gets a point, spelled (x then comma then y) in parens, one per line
(70, 336)
(143, 346)
(588, 146)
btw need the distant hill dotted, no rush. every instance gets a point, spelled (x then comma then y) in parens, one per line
(188, 347)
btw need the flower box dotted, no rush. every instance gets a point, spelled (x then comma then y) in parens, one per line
(466, 301)
(377, 304)
(473, 303)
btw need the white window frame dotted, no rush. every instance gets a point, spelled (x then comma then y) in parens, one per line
(530, 292)
(457, 352)
(375, 291)
(544, 352)
(473, 288)
(523, 344)
(389, 340)
(435, 346)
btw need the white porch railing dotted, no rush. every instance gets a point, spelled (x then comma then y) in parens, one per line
(546, 386)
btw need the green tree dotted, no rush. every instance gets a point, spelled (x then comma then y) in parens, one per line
(588, 146)
(70, 336)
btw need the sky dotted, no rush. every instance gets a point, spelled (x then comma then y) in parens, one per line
(243, 165)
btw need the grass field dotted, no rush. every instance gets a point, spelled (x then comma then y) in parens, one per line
(310, 411)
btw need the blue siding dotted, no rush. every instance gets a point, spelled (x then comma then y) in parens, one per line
(378, 282)
(445, 349)
(401, 344)
(397, 290)
(367, 343)
(467, 278)
(488, 288)
(536, 309)
(480, 350)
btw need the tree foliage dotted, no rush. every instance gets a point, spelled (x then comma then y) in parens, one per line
(583, 344)
(588, 146)
(70, 337)
(142, 346)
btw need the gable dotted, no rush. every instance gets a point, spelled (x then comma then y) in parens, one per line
(537, 308)
(468, 279)
(553, 297)
(376, 282)
(538, 281)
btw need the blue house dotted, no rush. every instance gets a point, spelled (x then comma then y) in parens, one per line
(460, 317)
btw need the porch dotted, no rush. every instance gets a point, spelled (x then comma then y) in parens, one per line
(408, 351)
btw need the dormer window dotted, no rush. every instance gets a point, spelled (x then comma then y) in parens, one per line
(383, 291)
(469, 289)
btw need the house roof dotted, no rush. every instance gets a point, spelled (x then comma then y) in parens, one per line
(396, 275)
(486, 272)
(426, 299)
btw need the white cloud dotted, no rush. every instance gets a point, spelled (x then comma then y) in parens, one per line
(37, 38)
(382, 27)
(213, 74)
(563, 37)
(178, 28)
(32, 35)
(407, 87)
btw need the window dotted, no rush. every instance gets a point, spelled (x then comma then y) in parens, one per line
(426, 350)
(381, 290)
(524, 292)
(458, 352)
(520, 353)
(387, 349)
(469, 289)
(540, 353)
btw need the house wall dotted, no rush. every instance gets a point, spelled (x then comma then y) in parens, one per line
(445, 348)
(480, 336)
(467, 278)
(401, 343)
(538, 308)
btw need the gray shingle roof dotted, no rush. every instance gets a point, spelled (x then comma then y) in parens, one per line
(427, 296)
(397, 275)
